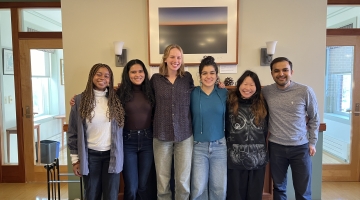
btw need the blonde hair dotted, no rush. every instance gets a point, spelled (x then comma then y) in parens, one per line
(87, 103)
(163, 70)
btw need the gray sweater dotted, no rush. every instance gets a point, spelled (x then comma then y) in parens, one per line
(77, 141)
(288, 109)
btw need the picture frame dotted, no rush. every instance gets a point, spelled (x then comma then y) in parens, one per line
(62, 81)
(8, 62)
(201, 27)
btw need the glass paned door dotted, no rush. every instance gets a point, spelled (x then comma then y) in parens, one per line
(338, 101)
(9, 150)
(48, 105)
(341, 109)
(43, 92)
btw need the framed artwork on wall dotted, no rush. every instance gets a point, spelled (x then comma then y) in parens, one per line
(201, 27)
(8, 62)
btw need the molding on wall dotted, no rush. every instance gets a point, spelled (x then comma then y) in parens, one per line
(30, 4)
(343, 2)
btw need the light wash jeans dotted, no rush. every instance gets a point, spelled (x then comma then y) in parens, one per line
(163, 152)
(209, 170)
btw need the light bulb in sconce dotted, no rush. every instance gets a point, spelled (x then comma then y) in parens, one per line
(267, 53)
(120, 54)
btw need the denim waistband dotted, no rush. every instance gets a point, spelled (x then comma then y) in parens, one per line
(92, 151)
(148, 130)
(214, 141)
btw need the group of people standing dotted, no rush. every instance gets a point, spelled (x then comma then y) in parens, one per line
(218, 142)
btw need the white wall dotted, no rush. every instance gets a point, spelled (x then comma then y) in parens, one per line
(91, 27)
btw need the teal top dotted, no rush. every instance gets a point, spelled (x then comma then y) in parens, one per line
(208, 114)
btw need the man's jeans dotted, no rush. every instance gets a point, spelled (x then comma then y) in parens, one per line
(209, 170)
(298, 157)
(163, 152)
(138, 159)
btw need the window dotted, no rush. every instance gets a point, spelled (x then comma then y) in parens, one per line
(338, 86)
(41, 19)
(346, 93)
(40, 71)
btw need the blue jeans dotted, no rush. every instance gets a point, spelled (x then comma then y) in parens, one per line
(138, 158)
(298, 157)
(99, 182)
(163, 152)
(209, 170)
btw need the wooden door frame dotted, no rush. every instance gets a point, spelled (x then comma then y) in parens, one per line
(343, 2)
(16, 173)
(349, 172)
(1, 126)
(32, 172)
(345, 32)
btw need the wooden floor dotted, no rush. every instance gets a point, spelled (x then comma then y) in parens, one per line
(38, 191)
(340, 191)
(29, 191)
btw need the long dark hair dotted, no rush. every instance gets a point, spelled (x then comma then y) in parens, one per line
(87, 103)
(258, 106)
(124, 91)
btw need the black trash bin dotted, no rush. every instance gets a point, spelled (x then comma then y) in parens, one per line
(49, 150)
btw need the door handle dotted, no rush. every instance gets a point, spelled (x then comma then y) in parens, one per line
(357, 109)
(27, 112)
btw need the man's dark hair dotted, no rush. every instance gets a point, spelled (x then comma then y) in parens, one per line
(280, 59)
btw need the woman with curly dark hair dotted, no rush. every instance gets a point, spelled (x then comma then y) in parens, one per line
(95, 135)
(246, 132)
(136, 94)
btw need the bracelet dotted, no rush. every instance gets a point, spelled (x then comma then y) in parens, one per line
(75, 163)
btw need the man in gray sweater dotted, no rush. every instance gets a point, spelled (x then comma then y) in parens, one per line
(293, 127)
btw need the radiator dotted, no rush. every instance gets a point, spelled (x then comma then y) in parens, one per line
(337, 148)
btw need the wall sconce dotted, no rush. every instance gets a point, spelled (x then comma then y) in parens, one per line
(120, 54)
(267, 53)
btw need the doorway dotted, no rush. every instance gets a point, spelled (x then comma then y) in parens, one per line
(341, 160)
(42, 67)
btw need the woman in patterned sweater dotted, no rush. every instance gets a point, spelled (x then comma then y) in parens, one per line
(246, 132)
